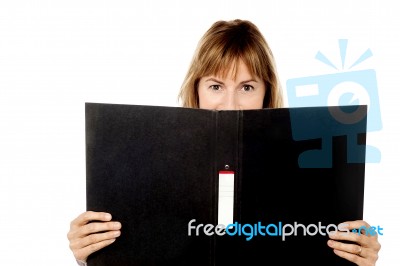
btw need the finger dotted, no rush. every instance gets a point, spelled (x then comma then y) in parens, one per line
(93, 239)
(359, 226)
(355, 224)
(83, 254)
(98, 227)
(91, 228)
(88, 216)
(347, 236)
(368, 246)
(349, 248)
(351, 257)
(362, 240)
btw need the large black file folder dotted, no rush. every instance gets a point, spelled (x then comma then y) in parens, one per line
(157, 168)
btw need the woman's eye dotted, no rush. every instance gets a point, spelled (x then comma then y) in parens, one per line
(215, 87)
(248, 88)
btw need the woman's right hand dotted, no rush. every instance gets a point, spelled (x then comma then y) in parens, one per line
(90, 232)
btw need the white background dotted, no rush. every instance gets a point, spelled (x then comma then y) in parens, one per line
(57, 55)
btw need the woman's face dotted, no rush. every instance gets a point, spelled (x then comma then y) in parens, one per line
(244, 92)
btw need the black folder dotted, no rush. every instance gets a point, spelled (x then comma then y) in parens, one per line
(156, 168)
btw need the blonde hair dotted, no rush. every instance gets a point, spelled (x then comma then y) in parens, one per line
(224, 44)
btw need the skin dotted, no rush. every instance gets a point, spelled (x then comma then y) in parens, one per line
(364, 251)
(229, 93)
(219, 93)
(84, 237)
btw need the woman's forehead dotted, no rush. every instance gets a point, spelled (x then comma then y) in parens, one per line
(233, 70)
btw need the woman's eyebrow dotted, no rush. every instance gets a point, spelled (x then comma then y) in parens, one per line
(247, 81)
(220, 82)
(214, 80)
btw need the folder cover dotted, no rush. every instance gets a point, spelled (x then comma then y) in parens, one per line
(156, 169)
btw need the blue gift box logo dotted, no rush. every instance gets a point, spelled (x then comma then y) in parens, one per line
(338, 89)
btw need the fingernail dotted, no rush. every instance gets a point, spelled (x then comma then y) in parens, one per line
(330, 243)
(107, 216)
(117, 233)
(117, 225)
(336, 251)
(343, 225)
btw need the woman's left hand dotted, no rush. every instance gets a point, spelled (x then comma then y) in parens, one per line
(365, 247)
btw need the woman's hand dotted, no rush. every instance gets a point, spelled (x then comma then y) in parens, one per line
(365, 247)
(90, 232)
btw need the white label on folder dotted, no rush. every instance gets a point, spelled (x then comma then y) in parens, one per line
(225, 197)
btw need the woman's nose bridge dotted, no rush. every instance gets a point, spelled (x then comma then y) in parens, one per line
(231, 99)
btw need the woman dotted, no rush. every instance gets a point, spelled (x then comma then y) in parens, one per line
(232, 69)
